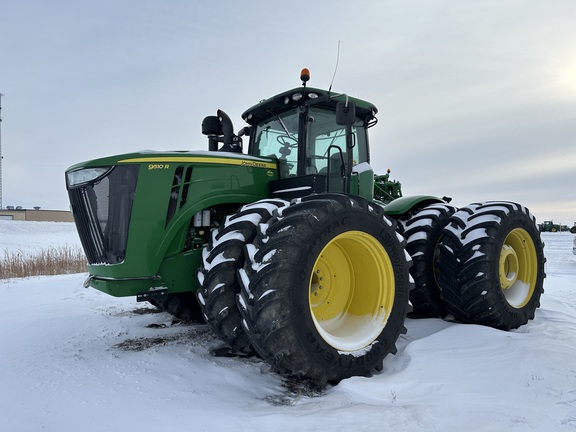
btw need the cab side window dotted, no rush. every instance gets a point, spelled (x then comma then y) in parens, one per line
(325, 138)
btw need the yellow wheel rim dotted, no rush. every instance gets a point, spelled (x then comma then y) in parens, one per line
(518, 268)
(351, 291)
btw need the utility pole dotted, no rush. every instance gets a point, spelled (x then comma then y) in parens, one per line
(1, 151)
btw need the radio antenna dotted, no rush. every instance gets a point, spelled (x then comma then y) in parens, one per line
(336, 68)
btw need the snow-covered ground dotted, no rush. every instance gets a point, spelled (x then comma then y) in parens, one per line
(31, 237)
(75, 359)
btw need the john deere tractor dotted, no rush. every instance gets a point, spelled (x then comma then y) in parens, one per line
(295, 249)
(550, 226)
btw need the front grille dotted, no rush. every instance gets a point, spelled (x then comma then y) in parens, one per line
(102, 212)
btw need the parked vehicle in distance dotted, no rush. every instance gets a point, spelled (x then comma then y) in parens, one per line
(549, 226)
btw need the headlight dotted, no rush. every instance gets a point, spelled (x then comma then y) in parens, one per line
(85, 175)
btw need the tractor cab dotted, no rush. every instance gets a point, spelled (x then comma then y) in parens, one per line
(318, 138)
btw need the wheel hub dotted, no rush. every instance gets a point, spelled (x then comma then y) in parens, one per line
(508, 267)
(518, 268)
(351, 291)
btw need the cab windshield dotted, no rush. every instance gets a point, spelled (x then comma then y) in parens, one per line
(325, 140)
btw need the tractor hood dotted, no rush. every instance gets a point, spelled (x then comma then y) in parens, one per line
(158, 160)
(135, 212)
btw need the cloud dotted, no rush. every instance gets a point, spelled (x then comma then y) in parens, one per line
(475, 99)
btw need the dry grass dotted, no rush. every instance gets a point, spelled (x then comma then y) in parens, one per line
(54, 261)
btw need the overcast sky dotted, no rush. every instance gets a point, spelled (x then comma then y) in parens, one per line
(476, 99)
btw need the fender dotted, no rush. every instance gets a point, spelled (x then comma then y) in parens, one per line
(402, 205)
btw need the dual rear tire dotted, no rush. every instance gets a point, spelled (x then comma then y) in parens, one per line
(491, 265)
(482, 264)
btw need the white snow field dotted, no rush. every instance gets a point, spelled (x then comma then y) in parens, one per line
(75, 359)
(30, 238)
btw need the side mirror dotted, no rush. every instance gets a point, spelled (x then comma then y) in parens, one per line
(345, 113)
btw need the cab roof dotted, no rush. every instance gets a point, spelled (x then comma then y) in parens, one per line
(300, 96)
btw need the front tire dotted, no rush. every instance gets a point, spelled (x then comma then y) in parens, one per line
(492, 265)
(325, 288)
(221, 259)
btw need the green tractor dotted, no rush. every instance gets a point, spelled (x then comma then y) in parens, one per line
(550, 226)
(295, 250)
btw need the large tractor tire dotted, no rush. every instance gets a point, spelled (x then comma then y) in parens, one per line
(325, 288)
(221, 258)
(422, 229)
(492, 265)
